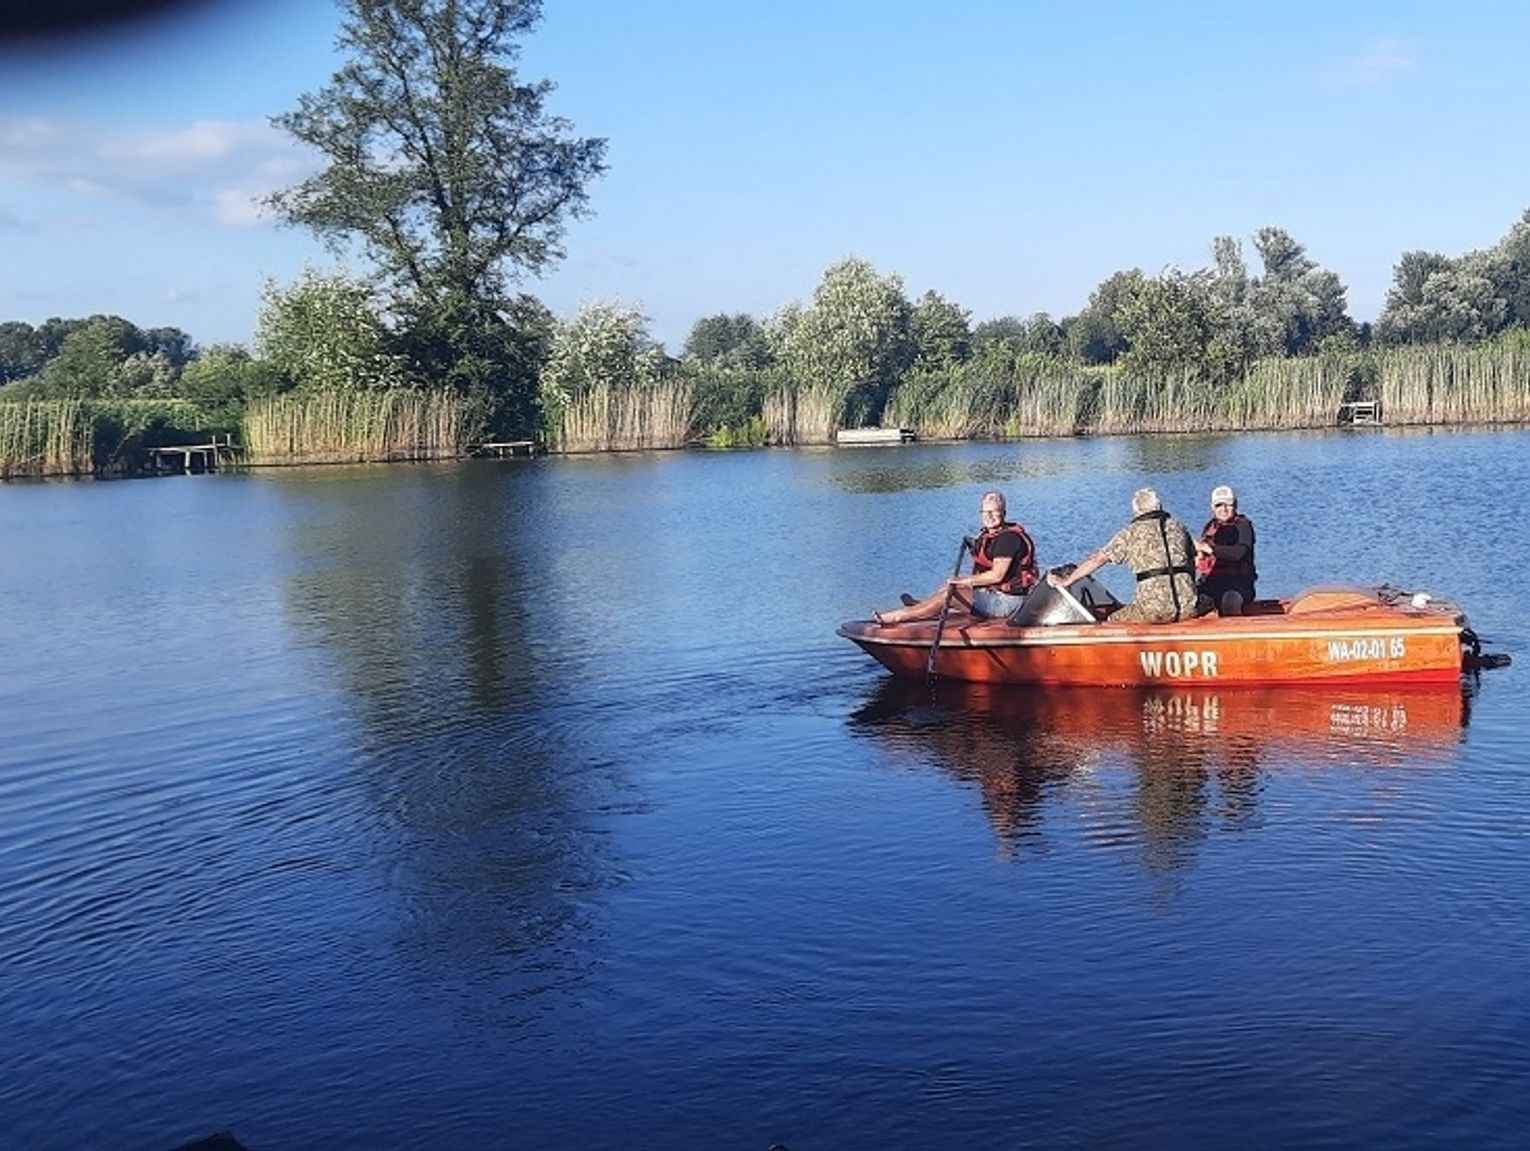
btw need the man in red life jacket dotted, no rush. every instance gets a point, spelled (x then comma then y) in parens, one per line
(1225, 554)
(1003, 570)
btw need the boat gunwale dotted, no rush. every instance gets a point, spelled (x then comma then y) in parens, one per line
(973, 632)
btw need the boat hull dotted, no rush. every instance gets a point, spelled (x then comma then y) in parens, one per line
(1355, 637)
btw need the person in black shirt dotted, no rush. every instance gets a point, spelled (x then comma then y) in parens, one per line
(1003, 570)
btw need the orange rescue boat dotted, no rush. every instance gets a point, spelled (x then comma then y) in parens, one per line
(1380, 635)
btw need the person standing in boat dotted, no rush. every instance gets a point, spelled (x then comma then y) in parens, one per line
(1159, 550)
(1003, 570)
(1225, 554)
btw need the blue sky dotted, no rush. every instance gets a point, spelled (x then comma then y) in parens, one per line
(1009, 155)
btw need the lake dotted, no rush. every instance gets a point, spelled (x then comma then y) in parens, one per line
(536, 804)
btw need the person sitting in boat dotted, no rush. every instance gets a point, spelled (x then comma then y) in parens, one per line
(1158, 549)
(1225, 554)
(1003, 570)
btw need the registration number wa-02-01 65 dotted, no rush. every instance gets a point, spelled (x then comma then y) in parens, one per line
(1367, 647)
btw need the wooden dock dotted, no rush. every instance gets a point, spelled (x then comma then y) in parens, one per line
(500, 449)
(1360, 412)
(871, 437)
(191, 459)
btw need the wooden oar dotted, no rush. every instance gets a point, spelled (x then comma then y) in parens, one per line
(940, 623)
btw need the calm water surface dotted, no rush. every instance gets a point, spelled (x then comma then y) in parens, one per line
(536, 804)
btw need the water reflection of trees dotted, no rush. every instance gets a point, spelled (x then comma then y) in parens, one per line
(1193, 760)
(419, 588)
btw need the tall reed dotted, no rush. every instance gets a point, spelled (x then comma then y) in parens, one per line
(652, 413)
(1451, 383)
(801, 415)
(353, 427)
(1006, 398)
(45, 437)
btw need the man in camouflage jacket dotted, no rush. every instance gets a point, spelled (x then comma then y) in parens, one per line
(1160, 552)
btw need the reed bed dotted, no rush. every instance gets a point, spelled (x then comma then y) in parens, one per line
(995, 398)
(1032, 397)
(1057, 400)
(45, 438)
(1286, 394)
(800, 416)
(355, 427)
(1450, 384)
(651, 414)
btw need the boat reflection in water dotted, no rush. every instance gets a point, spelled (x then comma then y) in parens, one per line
(1159, 767)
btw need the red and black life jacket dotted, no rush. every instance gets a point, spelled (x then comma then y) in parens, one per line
(1237, 571)
(1022, 569)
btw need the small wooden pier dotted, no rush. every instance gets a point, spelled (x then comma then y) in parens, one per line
(870, 437)
(191, 459)
(500, 449)
(1360, 412)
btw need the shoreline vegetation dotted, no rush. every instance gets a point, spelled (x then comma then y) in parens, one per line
(1025, 397)
(463, 189)
(336, 374)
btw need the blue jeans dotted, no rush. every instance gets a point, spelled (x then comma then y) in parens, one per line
(994, 604)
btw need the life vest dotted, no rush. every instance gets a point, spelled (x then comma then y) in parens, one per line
(1022, 569)
(1170, 568)
(1232, 571)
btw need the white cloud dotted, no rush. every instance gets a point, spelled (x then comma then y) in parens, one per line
(1378, 63)
(216, 167)
(239, 207)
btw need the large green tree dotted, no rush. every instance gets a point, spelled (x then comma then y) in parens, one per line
(940, 333)
(727, 341)
(446, 169)
(1297, 303)
(851, 344)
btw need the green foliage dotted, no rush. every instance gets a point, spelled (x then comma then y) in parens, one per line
(844, 352)
(1168, 322)
(752, 433)
(728, 342)
(98, 356)
(729, 397)
(324, 333)
(447, 171)
(224, 378)
(939, 333)
(608, 385)
(103, 356)
(491, 359)
(1095, 334)
(76, 437)
(21, 351)
(605, 345)
(1296, 303)
(1436, 299)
